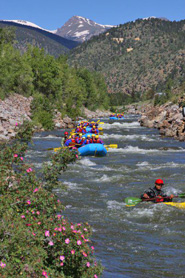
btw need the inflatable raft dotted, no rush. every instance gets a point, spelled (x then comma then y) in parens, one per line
(93, 150)
(115, 118)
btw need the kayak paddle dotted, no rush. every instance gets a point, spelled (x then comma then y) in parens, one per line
(133, 201)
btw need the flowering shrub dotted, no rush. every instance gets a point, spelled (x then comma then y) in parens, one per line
(35, 239)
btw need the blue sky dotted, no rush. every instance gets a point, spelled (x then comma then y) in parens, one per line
(53, 14)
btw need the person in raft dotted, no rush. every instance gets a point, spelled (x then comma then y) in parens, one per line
(64, 139)
(156, 193)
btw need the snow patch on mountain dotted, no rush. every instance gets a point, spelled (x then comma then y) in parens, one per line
(27, 23)
(81, 29)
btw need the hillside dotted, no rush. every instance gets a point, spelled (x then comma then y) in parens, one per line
(136, 56)
(52, 44)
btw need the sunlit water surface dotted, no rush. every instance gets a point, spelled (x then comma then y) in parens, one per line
(147, 240)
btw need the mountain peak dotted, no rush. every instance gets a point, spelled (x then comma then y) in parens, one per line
(80, 29)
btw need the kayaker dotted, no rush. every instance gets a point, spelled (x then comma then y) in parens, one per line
(157, 193)
(64, 139)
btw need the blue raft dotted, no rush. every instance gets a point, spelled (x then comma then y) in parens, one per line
(115, 118)
(94, 149)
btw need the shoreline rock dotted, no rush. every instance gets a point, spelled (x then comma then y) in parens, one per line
(16, 108)
(167, 118)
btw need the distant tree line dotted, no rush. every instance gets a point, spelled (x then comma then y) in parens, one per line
(51, 82)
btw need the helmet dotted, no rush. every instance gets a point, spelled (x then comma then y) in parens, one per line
(159, 182)
(94, 126)
(65, 133)
(93, 135)
(84, 127)
(83, 137)
(80, 134)
(88, 135)
(70, 137)
(96, 136)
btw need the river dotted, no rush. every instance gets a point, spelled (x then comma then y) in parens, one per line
(147, 240)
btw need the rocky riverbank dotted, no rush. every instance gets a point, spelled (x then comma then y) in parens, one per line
(167, 118)
(16, 108)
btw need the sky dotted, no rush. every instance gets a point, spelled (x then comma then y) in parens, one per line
(53, 14)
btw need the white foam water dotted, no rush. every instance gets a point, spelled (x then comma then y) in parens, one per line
(87, 162)
(122, 125)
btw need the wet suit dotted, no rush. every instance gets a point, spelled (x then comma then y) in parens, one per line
(153, 192)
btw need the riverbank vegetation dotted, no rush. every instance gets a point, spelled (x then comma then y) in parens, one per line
(51, 82)
(36, 239)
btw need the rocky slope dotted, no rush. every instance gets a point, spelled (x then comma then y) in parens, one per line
(136, 56)
(167, 118)
(16, 108)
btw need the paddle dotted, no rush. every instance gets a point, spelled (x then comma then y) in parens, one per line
(133, 201)
(112, 146)
(100, 128)
(101, 123)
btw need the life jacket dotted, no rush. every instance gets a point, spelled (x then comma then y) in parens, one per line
(67, 142)
(87, 141)
(91, 140)
(98, 140)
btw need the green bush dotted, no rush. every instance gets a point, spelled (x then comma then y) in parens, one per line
(35, 239)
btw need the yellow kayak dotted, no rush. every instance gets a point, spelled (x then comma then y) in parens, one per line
(177, 205)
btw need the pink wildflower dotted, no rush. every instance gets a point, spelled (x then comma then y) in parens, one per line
(59, 216)
(2, 264)
(92, 247)
(33, 234)
(95, 276)
(44, 273)
(46, 233)
(21, 158)
(39, 223)
(79, 242)
(51, 243)
(67, 240)
(16, 124)
(85, 229)
(85, 255)
(62, 258)
(72, 252)
(88, 264)
(38, 212)
(76, 156)
(72, 227)
(61, 264)
(28, 202)
(15, 155)
(22, 216)
(35, 190)
(63, 228)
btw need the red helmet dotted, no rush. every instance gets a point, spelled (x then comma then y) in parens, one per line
(65, 133)
(159, 182)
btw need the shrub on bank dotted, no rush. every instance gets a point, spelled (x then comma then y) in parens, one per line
(35, 239)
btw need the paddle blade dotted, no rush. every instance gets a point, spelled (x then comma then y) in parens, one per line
(111, 146)
(101, 123)
(132, 201)
(100, 128)
(182, 195)
(57, 149)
